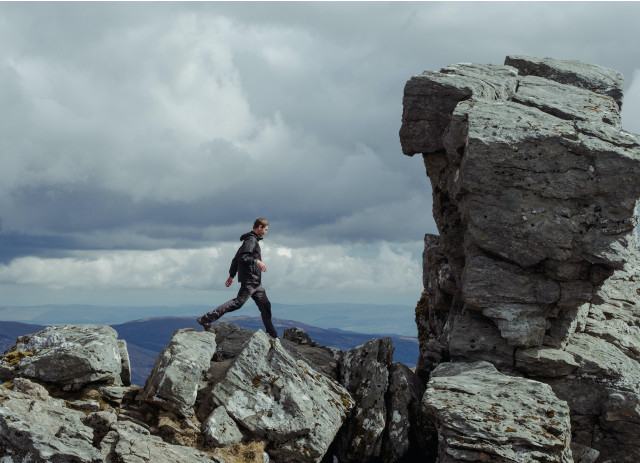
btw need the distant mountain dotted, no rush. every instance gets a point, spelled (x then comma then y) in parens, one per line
(359, 318)
(147, 337)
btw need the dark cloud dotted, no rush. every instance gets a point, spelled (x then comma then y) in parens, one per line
(153, 125)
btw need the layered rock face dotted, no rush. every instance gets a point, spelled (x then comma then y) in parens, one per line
(535, 269)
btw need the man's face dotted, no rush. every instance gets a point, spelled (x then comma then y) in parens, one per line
(262, 230)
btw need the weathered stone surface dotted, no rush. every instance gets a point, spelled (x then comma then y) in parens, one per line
(476, 338)
(567, 102)
(36, 427)
(365, 374)
(220, 430)
(483, 415)
(70, 356)
(603, 362)
(323, 359)
(173, 383)
(583, 454)
(127, 442)
(429, 100)
(535, 195)
(544, 361)
(272, 395)
(597, 79)
(125, 373)
(230, 339)
(404, 415)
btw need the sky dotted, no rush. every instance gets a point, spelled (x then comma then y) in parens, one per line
(138, 141)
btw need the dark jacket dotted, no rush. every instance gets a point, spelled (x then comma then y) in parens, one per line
(244, 261)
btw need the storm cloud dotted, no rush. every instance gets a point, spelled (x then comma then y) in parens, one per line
(134, 131)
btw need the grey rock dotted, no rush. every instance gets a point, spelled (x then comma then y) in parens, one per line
(220, 430)
(173, 383)
(125, 373)
(100, 422)
(298, 336)
(230, 339)
(273, 396)
(117, 393)
(323, 359)
(84, 405)
(535, 269)
(483, 415)
(404, 395)
(544, 361)
(594, 78)
(602, 362)
(71, 356)
(30, 388)
(583, 454)
(365, 374)
(429, 100)
(476, 338)
(567, 102)
(44, 430)
(127, 442)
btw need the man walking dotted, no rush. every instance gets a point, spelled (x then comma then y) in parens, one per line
(247, 263)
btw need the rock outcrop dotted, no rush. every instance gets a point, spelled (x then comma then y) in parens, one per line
(483, 415)
(535, 269)
(271, 395)
(212, 395)
(173, 383)
(70, 356)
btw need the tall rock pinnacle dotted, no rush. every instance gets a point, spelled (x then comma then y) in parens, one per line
(535, 195)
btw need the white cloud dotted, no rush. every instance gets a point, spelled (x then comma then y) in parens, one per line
(631, 105)
(329, 268)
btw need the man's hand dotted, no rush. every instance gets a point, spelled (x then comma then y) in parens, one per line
(261, 265)
(228, 282)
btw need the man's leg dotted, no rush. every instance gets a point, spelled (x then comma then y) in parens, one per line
(263, 303)
(234, 304)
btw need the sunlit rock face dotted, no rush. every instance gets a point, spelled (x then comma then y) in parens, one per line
(535, 269)
(70, 356)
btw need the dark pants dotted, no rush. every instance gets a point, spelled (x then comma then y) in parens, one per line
(258, 294)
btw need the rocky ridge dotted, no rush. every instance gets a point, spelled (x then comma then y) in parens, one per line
(535, 269)
(224, 395)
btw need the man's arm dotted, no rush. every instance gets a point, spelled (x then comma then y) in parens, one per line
(233, 269)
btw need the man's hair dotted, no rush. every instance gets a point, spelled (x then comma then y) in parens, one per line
(260, 221)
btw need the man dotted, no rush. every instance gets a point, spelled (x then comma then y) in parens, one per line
(248, 265)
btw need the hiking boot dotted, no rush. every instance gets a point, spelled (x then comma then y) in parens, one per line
(205, 325)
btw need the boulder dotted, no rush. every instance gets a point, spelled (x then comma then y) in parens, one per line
(365, 374)
(37, 427)
(484, 415)
(220, 430)
(70, 356)
(322, 358)
(230, 340)
(128, 442)
(282, 400)
(175, 378)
